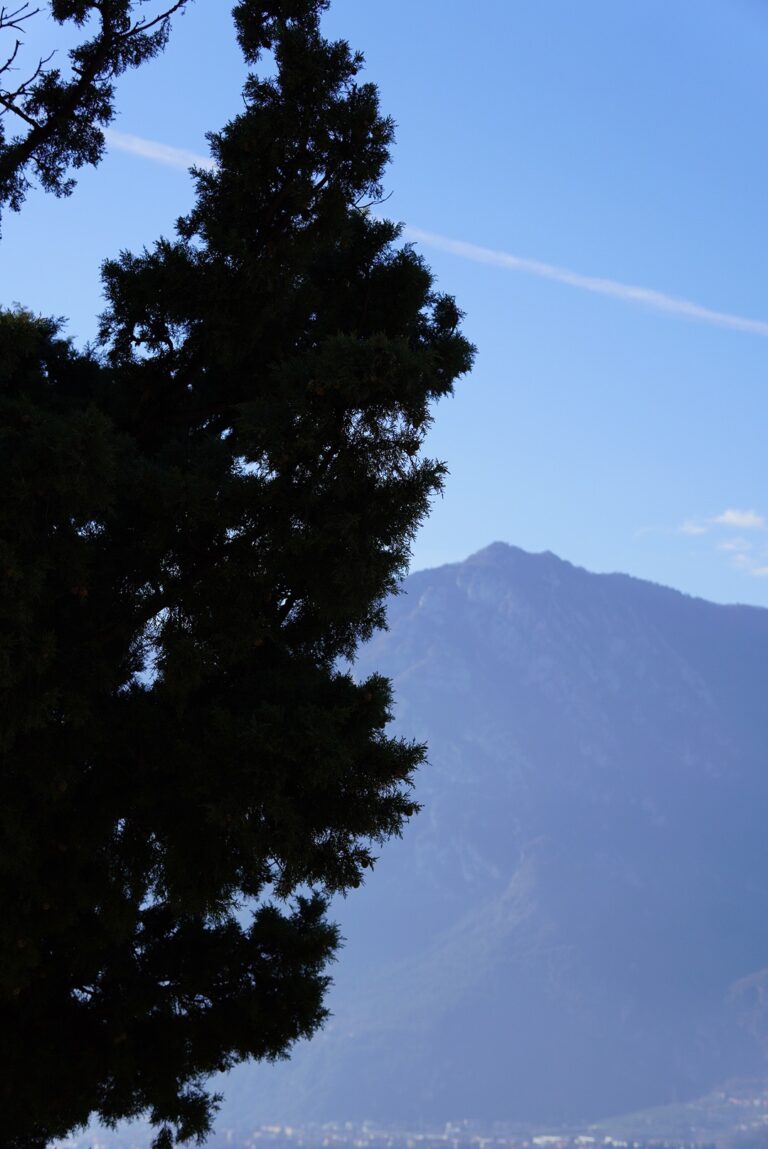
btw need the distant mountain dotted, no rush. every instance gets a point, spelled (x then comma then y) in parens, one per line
(577, 923)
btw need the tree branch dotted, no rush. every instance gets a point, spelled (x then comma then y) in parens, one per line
(147, 25)
(65, 118)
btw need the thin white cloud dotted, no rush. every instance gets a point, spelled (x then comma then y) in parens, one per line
(749, 556)
(741, 520)
(744, 520)
(735, 545)
(628, 293)
(156, 152)
(745, 558)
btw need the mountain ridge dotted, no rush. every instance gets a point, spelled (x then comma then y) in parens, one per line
(576, 923)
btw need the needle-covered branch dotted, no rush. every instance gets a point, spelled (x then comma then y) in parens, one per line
(62, 114)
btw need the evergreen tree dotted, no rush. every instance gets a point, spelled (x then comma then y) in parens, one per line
(199, 525)
(60, 115)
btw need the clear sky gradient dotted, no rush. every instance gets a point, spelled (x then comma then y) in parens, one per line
(589, 181)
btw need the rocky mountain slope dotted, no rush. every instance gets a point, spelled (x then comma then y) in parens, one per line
(577, 923)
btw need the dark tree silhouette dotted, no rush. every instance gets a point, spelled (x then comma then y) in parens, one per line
(52, 121)
(199, 524)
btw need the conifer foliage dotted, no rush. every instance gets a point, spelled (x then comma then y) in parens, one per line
(200, 523)
(52, 119)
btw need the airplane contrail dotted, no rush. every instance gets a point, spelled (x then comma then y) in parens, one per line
(615, 289)
(156, 152)
(629, 293)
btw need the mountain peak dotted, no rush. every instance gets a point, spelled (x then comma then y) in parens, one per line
(576, 924)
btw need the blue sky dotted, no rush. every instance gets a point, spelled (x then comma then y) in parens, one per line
(618, 142)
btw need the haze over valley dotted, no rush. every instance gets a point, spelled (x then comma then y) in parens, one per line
(576, 924)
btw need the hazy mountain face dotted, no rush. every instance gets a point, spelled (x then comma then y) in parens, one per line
(577, 922)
